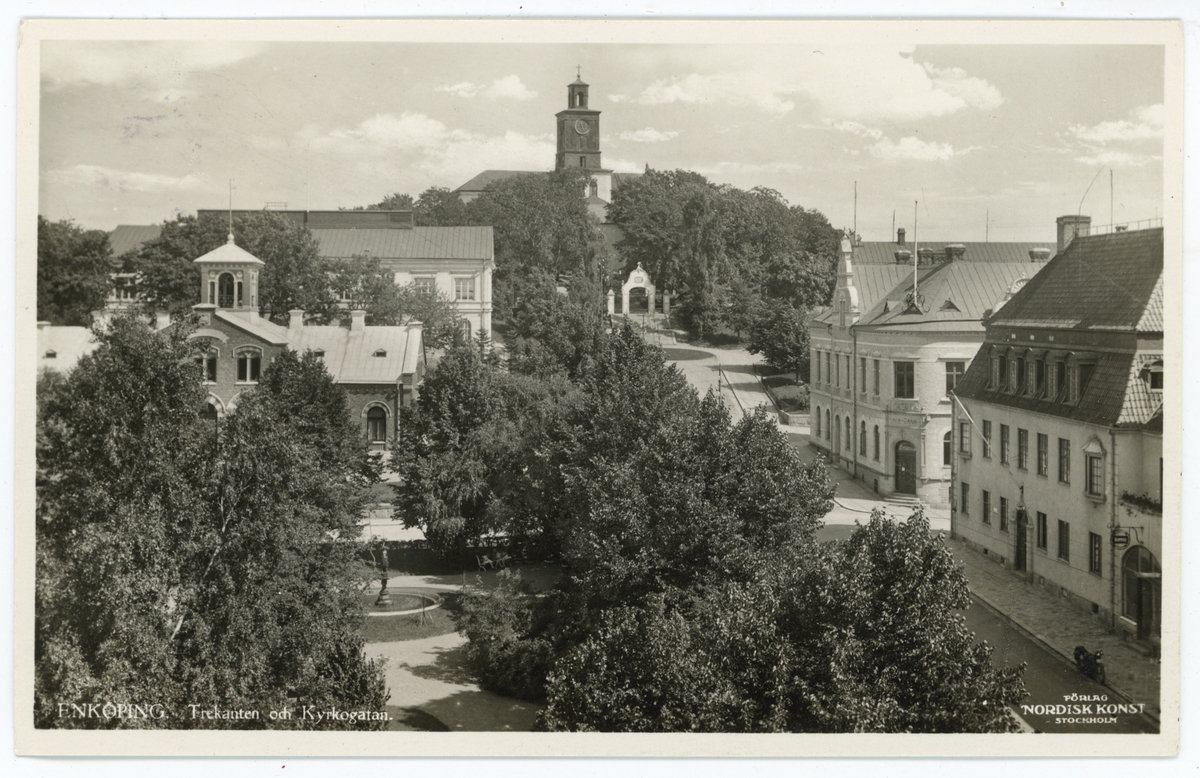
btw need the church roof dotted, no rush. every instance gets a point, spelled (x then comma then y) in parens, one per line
(481, 181)
(127, 237)
(883, 252)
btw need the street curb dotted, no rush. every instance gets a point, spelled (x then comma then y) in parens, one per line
(1046, 644)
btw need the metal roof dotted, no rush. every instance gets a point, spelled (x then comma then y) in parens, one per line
(884, 252)
(416, 243)
(227, 253)
(481, 181)
(351, 356)
(68, 344)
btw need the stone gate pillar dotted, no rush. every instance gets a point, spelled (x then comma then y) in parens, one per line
(612, 297)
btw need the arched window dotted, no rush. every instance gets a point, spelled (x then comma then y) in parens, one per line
(594, 188)
(225, 290)
(876, 442)
(377, 424)
(828, 427)
(208, 366)
(249, 365)
(862, 440)
(848, 444)
(818, 422)
(947, 449)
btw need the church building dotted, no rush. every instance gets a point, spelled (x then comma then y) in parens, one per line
(577, 146)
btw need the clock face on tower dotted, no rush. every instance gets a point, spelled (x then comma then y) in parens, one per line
(582, 127)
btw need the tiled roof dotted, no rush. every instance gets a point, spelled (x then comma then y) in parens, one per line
(1152, 318)
(883, 252)
(1099, 282)
(68, 344)
(416, 243)
(1141, 403)
(127, 237)
(481, 181)
(1103, 397)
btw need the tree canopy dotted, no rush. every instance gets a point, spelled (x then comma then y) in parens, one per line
(73, 272)
(186, 563)
(294, 276)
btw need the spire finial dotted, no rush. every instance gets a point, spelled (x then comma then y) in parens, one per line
(577, 69)
(230, 211)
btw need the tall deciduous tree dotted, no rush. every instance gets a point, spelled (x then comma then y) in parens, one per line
(294, 276)
(72, 272)
(779, 332)
(195, 566)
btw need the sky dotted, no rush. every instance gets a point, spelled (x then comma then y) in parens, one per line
(970, 141)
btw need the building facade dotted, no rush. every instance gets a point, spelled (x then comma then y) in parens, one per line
(380, 367)
(905, 323)
(1058, 430)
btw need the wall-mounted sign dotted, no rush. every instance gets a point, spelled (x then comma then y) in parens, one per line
(1120, 538)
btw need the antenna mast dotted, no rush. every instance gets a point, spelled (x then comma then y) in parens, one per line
(987, 223)
(916, 251)
(231, 209)
(855, 209)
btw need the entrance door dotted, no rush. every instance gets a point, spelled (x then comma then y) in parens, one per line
(906, 468)
(1022, 523)
(1145, 616)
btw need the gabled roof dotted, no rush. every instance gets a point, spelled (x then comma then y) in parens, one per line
(127, 237)
(415, 243)
(480, 182)
(1099, 282)
(249, 321)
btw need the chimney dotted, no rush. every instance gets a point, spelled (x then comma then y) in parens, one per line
(1071, 227)
(43, 325)
(903, 256)
(955, 251)
(925, 256)
(358, 320)
(900, 236)
(1039, 255)
(295, 319)
(162, 320)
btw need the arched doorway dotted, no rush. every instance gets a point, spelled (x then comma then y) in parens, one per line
(225, 290)
(1141, 577)
(906, 468)
(639, 301)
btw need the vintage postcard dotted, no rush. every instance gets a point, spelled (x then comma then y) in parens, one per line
(624, 388)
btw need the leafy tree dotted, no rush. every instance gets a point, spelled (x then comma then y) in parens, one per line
(294, 276)
(441, 207)
(780, 333)
(440, 321)
(861, 636)
(362, 283)
(72, 272)
(184, 565)
(552, 332)
(393, 202)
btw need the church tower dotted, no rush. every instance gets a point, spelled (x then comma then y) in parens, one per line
(578, 131)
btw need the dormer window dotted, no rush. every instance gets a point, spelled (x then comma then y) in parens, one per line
(379, 353)
(51, 354)
(320, 352)
(1153, 375)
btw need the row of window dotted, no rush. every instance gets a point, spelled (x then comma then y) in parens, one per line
(1093, 454)
(1041, 528)
(249, 366)
(828, 369)
(947, 443)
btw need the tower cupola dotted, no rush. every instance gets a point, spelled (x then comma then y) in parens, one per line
(229, 278)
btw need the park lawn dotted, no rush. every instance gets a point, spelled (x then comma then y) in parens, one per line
(391, 629)
(788, 395)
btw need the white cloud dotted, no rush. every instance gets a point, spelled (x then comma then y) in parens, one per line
(1114, 158)
(101, 177)
(462, 89)
(648, 135)
(913, 149)
(842, 83)
(731, 88)
(414, 141)
(510, 88)
(973, 91)
(507, 88)
(116, 63)
(1146, 123)
(859, 129)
